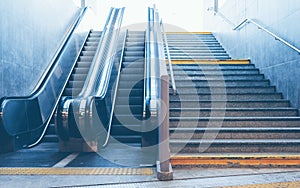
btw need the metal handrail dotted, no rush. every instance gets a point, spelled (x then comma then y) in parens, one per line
(115, 92)
(169, 58)
(248, 20)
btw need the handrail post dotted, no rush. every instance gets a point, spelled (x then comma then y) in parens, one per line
(164, 168)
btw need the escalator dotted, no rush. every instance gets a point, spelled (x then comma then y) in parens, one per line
(77, 78)
(83, 64)
(126, 125)
(86, 106)
(25, 120)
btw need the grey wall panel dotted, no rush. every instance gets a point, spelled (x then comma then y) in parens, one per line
(279, 63)
(31, 31)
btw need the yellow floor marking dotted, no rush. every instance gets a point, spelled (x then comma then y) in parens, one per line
(201, 33)
(76, 171)
(295, 184)
(238, 160)
(189, 62)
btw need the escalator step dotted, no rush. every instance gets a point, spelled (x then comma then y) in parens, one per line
(86, 58)
(93, 39)
(134, 48)
(72, 91)
(132, 77)
(78, 77)
(133, 70)
(94, 44)
(90, 48)
(88, 53)
(85, 64)
(75, 84)
(81, 70)
(95, 34)
(130, 84)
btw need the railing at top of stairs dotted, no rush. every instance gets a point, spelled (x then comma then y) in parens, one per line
(247, 21)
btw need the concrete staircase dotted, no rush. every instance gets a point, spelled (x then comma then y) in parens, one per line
(224, 108)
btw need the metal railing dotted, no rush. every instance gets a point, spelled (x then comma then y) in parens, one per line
(248, 20)
(169, 58)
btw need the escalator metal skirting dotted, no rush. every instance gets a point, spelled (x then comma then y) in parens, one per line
(76, 171)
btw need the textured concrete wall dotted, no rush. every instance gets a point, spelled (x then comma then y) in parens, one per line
(278, 62)
(31, 31)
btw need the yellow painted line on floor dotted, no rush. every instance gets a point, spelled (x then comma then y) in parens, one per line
(294, 184)
(76, 171)
(237, 160)
(191, 33)
(218, 62)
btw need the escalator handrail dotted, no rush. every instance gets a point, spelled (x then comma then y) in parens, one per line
(152, 65)
(146, 69)
(59, 50)
(88, 84)
(115, 92)
(97, 83)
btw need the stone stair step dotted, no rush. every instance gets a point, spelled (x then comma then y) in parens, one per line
(235, 133)
(233, 112)
(234, 121)
(179, 72)
(229, 89)
(219, 77)
(234, 145)
(228, 96)
(229, 103)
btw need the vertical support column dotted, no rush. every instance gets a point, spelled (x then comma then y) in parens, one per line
(164, 168)
(82, 3)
